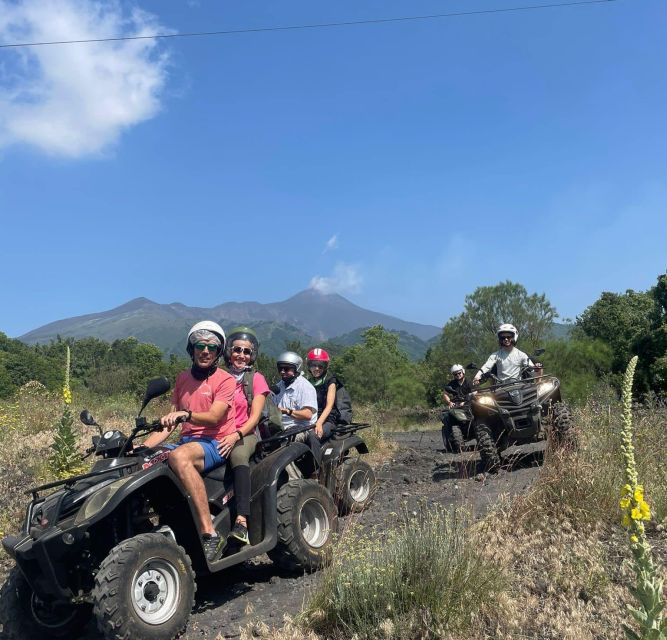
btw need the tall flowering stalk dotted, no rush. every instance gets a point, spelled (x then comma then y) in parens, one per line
(635, 511)
(65, 458)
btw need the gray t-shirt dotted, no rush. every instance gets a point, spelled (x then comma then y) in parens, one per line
(298, 395)
(508, 363)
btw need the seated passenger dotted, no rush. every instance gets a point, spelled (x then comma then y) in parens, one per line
(508, 360)
(295, 396)
(249, 397)
(326, 386)
(202, 396)
(458, 387)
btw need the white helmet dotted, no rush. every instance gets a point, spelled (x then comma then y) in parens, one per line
(292, 359)
(207, 325)
(508, 328)
(455, 368)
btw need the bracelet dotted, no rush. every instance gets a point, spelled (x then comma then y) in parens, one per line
(240, 435)
(189, 416)
(290, 412)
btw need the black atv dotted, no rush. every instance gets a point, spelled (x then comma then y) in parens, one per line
(121, 542)
(348, 478)
(456, 425)
(517, 411)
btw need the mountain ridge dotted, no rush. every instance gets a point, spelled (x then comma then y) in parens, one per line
(308, 316)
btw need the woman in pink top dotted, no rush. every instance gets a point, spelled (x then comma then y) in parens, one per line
(240, 354)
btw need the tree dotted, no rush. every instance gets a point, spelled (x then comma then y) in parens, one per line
(378, 371)
(621, 320)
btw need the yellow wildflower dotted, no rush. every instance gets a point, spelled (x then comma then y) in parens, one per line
(625, 502)
(639, 493)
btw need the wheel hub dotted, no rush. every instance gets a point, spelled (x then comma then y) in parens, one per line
(314, 523)
(359, 486)
(156, 591)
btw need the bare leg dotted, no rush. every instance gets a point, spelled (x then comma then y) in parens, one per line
(187, 462)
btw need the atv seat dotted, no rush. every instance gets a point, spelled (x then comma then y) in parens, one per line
(217, 473)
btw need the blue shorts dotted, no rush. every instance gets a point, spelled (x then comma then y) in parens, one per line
(212, 457)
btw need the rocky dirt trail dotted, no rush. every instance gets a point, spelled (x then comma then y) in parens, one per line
(419, 470)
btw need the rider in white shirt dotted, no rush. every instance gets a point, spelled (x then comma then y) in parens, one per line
(508, 360)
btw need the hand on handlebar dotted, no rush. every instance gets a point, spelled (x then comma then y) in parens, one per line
(174, 418)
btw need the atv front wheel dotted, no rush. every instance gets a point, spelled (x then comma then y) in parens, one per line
(144, 589)
(355, 483)
(453, 438)
(306, 521)
(562, 424)
(487, 447)
(23, 614)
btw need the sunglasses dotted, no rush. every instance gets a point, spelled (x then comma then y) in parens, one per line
(458, 373)
(281, 369)
(201, 346)
(505, 337)
(316, 365)
(246, 351)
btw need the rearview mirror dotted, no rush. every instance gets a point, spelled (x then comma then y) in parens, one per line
(472, 365)
(87, 418)
(156, 387)
(539, 352)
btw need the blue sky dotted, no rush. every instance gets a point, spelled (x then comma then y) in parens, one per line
(401, 165)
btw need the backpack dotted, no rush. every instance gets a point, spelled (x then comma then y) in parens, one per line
(271, 421)
(343, 405)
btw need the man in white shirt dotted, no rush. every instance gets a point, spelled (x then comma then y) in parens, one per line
(508, 360)
(296, 397)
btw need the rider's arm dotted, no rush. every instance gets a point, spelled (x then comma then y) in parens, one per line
(255, 416)
(486, 367)
(331, 400)
(447, 399)
(305, 413)
(158, 437)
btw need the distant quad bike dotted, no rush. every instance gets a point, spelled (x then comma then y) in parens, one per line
(347, 477)
(120, 543)
(518, 411)
(456, 425)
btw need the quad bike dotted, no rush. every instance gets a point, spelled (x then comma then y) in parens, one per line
(120, 543)
(456, 425)
(518, 411)
(348, 478)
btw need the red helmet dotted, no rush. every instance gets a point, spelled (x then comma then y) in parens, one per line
(318, 356)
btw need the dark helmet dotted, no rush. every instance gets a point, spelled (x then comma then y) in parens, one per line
(242, 333)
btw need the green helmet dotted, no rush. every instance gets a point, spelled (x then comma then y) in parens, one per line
(241, 333)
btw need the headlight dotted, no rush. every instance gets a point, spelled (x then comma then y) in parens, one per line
(99, 500)
(545, 388)
(486, 400)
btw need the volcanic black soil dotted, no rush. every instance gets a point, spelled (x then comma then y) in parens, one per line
(419, 470)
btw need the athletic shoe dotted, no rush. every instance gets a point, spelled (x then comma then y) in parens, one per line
(213, 546)
(240, 533)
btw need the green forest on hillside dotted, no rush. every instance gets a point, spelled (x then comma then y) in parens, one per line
(376, 368)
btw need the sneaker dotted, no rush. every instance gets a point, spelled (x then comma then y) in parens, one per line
(213, 546)
(240, 533)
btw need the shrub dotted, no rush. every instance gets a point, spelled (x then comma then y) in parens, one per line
(420, 580)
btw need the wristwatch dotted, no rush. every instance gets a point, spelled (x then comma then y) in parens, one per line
(290, 412)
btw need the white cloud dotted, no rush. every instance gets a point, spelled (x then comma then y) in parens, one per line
(345, 279)
(74, 100)
(331, 244)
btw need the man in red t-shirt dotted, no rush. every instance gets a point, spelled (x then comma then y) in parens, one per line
(200, 402)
